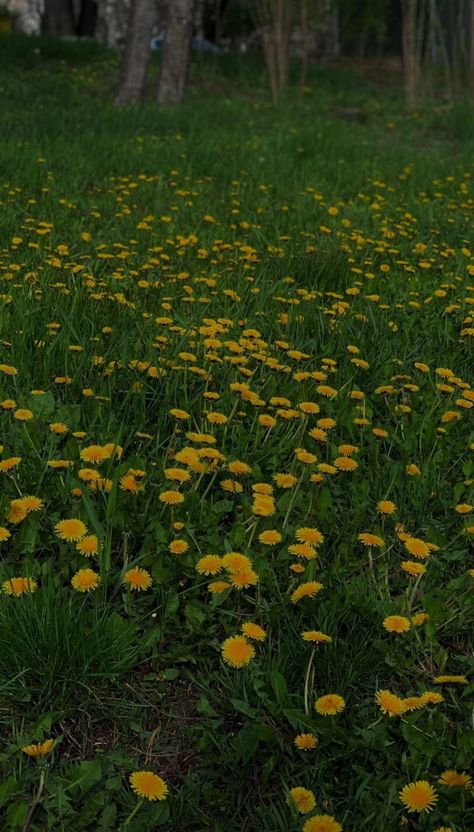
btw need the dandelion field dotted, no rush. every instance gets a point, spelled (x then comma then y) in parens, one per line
(237, 455)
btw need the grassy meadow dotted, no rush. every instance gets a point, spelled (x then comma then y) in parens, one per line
(237, 453)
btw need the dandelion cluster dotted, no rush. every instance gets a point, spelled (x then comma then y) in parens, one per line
(251, 439)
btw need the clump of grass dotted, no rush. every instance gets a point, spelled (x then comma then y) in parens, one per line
(59, 652)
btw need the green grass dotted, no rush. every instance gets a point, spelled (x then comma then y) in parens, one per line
(215, 215)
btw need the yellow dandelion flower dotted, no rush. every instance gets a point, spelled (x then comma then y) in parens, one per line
(263, 505)
(128, 483)
(95, 454)
(419, 796)
(19, 586)
(330, 704)
(70, 530)
(306, 590)
(88, 546)
(178, 547)
(85, 580)
(450, 680)
(137, 578)
(4, 534)
(396, 624)
(389, 703)
(316, 636)
(305, 742)
(237, 651)
(253, 631)
(244, 579)
(413, 568)
(386, 507)
(431, 697)
(218, 586)
(419, 618)
(23, 415)
(369, 539)
(38, 749)
(463, 508)
(345, 463)
(285, 480)
(209, 565)
(453, 778)
(322, 823)
(303, 799)
(309, 535)
(416, 547)
(31, 503)
(8, 464)
(181, 415)
(171, 498)
(270, 538)
(147, 784)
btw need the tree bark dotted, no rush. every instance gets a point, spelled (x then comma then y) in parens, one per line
(137, 52)
(471, 51)
(409, 9)
(87, 19)
(176, 52)
(58, 18)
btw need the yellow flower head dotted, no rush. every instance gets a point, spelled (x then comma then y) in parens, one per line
(136, 578)
(70, 530)
(19, 586)
(38, 749)
(316, 636)
(306, 590)
(171, 498)
(253, 631)
(322, 823)
(237, 651)
(147, 784)
(330, 704)
(389, 703)
(303, 799)
(396, 624)
(85, 580)
(270, 537)
(419, 796)
(305, 742)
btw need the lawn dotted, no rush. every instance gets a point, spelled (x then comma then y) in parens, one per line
(236, 452)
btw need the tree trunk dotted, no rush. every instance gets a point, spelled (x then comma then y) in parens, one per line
(304, 23)
(87, 19)
(471, 51)
(137, 51)
(176, 52)
(410, 73)
(58, 18)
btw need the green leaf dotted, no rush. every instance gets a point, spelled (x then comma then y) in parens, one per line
(44, 406)
(279, 685)
(86, 775)
(243, 707)
(7, 788)
(16, 814)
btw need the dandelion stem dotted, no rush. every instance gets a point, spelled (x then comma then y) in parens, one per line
(132, 814)
(307, 683)
(36, 800)
(30, 442)
(292, 500)
(413, 594)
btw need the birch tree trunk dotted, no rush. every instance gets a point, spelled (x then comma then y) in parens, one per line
(137, 51)
(176, 52)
